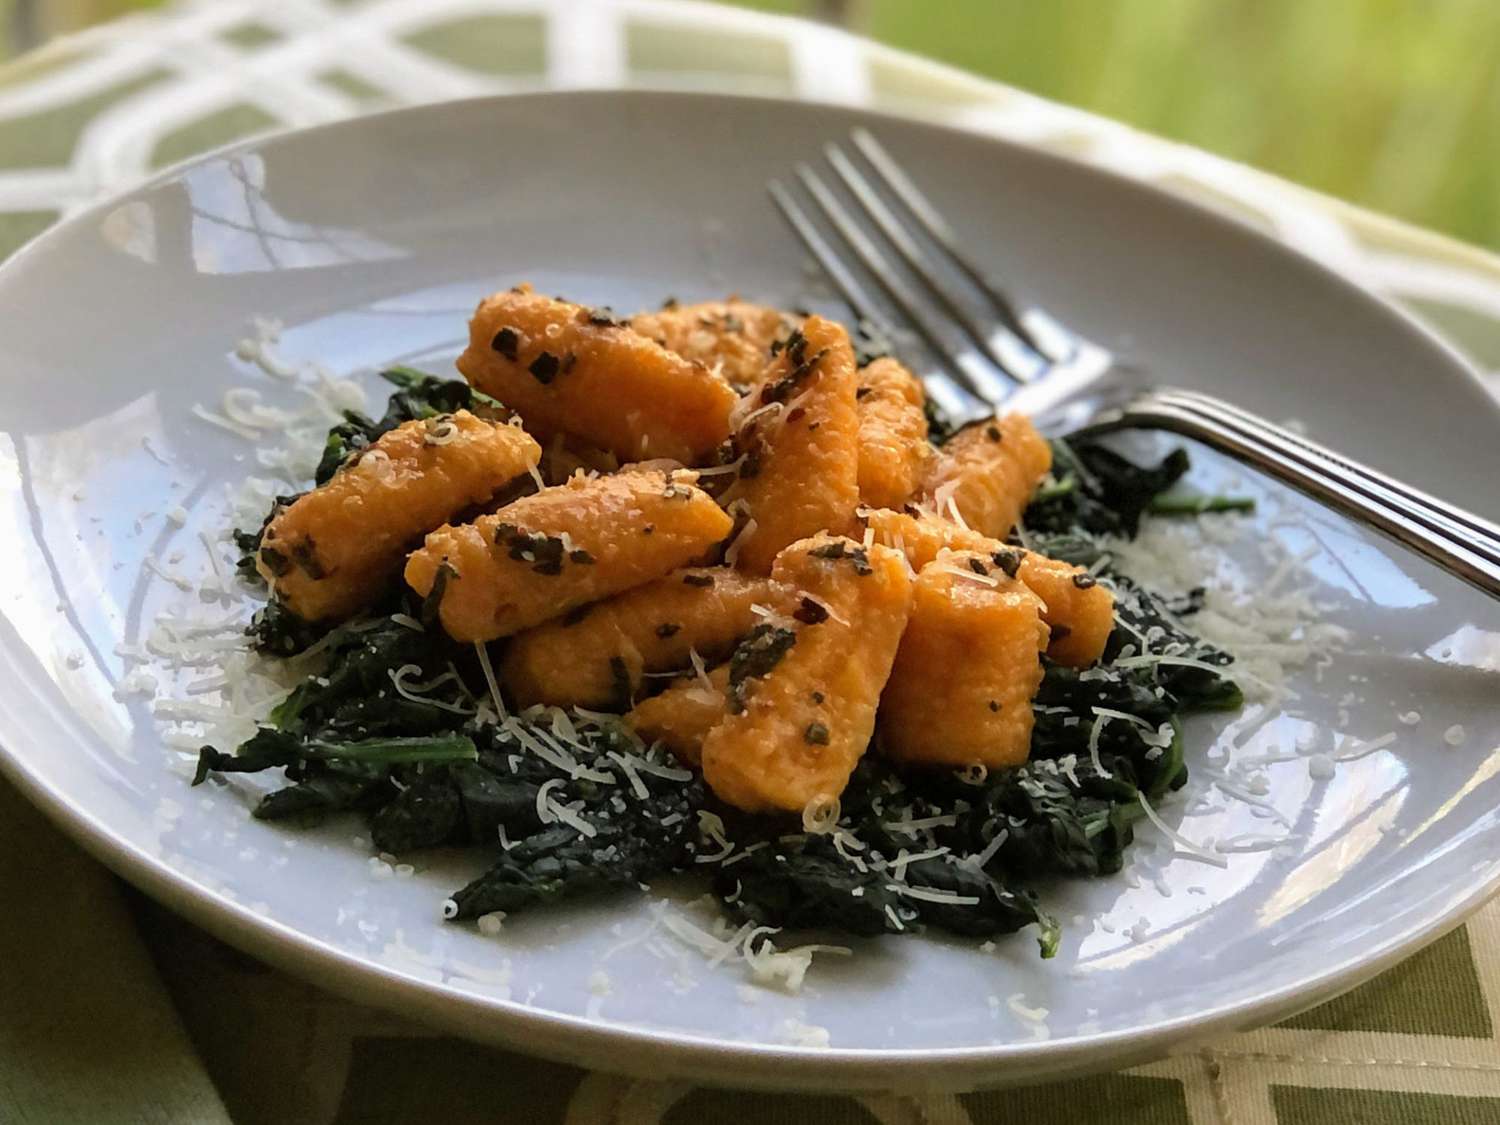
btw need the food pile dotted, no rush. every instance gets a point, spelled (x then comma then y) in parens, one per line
(698, 590)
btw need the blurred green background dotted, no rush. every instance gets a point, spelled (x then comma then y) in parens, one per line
(1394, 104)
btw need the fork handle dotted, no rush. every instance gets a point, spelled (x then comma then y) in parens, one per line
(1462, 543)
(1454, 518)
(1438, 516)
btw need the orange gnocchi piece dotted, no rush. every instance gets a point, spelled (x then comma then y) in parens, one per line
(600, 659)
(336, 549)
(969, 664)
(570, 369)
(800, 441)
(987, 473)
(563, 547)
(1079, 611)
(731, 337)
(894, 453)
(681, 717)
(801, 699)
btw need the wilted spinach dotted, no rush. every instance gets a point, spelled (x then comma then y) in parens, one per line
(395, 723)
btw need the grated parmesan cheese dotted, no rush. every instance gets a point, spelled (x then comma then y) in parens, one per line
(215, 419)
(1252, 800)
(799, 1034)
(1270, 631)
(1100, 718)
(711, 825)
(1016, 1002)
(940, 567)
(700, 670)
(732, 552)
(483, 653)
(569, 815)
(627, 766)
(1197, 851)
(1358, 749)
(933, 894)
(821, 815)
(544, 804)
(982, 859)
(750, 945)
(411, 692)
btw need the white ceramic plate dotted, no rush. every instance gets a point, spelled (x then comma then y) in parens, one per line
(372, 240)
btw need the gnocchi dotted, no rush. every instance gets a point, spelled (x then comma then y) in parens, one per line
(576, 370)
(561, 548)
(337, 548)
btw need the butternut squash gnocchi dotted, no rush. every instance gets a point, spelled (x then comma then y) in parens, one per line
(736, 539)
(333, 550)
(681, 717)
(798, 440)
(969, 663)
(731, 338)
(894, 452)
(986, 472)
(1077, 608)
(580, 371)
(802, 694)
(706, 578)
(600, 656)
(564, 547)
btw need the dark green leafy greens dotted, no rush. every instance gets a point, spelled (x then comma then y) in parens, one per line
(417, 395)
(389, 727)
(1096, 490)
(389, 723)
(642, 840)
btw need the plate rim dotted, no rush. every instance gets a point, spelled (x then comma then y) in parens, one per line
(601, 1043)
(651, 1052)
(1461, 365)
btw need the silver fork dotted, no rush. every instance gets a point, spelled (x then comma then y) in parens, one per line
(979, 352)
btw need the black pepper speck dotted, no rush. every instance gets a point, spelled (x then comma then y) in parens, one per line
(810, 612)
(1008, 560)
(506, 342)
(544, 367)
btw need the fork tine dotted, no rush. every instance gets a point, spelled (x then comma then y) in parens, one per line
(975, 371)
(932, 221)
(855, 295)
(949, 394)
(1014, 355)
